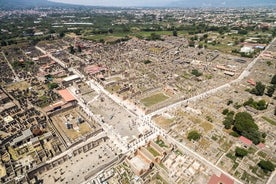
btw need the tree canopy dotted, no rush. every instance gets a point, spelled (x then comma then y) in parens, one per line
(194, 135)
(260, 105)
(240, 152)
(259, 89)
(245, 126)
(244, 121)
(273, 80)
(266, 166)
(228, 121)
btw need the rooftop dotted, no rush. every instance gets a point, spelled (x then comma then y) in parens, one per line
(245, 140)
(223, 179)
(70, 78)
(66, 95)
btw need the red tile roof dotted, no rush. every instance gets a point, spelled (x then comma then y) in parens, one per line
(66, 95)
(94, 69)
(261, 145)
(245, 140)
(252, 82)
(223, 179)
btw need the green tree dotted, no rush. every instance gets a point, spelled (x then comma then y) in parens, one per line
(266, 166)
(273, 80)
(260, 105)
(244, 121)
(110, 30)
(71, 49)
(147, 62)
(234, 134)
(154, 36)
(240, 152)
(245, 126)
(200, 46)
(79, 48)
(229, 102)
(194, 135)
(270, 90)
(196, 73)
(225, 111)
(52, 85)
(191, 43)
(252, 134)
(175, 33)
(61, 34)
(228, 121)
(259, 89)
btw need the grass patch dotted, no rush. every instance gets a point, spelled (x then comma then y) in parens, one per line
(254, 169)
(154, 99)
(231, 156)
(248, 178)
(262, 154)
(162, 121)
(153, 152)
(226, 145)
(113, 88)
(252, 150)
(161, 143)
(235, 165)
(163, 166)
(73, 134)
(237, 174)
(178, 152)
(13, 153)
(214, 138)
(160, 180)
(77, 131)
(22, 85)
(272, 122)
(204, 143)
(206, 126)
(148, 33)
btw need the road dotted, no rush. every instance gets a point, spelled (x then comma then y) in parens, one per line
(192, 153)
(243, 75)
(147, 118)
(272, 178)
(157, 130)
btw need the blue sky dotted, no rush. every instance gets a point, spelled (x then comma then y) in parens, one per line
(118, 2)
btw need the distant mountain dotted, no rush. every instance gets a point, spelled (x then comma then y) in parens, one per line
(221, 3)
(23, 4)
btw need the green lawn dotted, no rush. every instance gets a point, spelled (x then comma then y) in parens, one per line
(178, 152)
(161, 143)
(272, 122)
(154, 99)
(153, 152)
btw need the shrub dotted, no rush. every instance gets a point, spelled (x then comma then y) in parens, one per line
(196, 73)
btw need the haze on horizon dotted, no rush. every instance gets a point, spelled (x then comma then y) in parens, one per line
(123, 3)
(171, 3)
